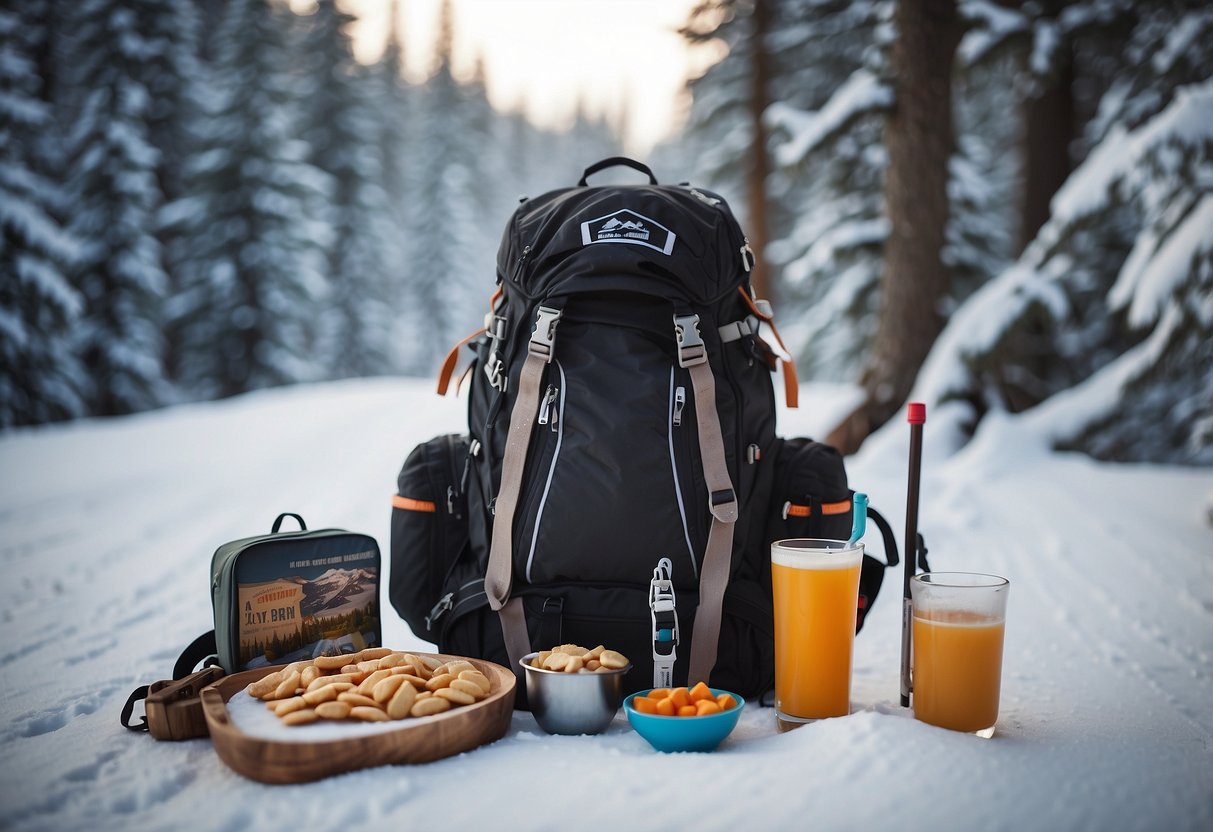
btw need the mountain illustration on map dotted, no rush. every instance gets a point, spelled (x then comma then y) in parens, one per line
(337, 591)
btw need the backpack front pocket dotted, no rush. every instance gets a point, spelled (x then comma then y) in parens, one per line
(611, 485)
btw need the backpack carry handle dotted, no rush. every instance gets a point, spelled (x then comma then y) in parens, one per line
(617, 161)
(278, 521)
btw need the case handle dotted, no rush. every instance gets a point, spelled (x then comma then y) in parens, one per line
(617, 161)
(278, 522)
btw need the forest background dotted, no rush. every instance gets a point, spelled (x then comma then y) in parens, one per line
(1004, 209)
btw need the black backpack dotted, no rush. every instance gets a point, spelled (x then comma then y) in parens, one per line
(621, 411)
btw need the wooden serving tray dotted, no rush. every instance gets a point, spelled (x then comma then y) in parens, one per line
(417, 740)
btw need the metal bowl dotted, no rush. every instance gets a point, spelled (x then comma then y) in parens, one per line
(573, 703)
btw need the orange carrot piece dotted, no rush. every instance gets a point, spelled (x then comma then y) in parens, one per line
(707, 706)
(688, 710)
(726, 701)
(680, 696)
(666, 707)
(701, 692)
(645, 705)
(658, 693)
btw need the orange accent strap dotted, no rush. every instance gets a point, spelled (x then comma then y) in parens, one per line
(452, 357)
(464, 377)
(826, 508)
(409, 504)
(791, 384)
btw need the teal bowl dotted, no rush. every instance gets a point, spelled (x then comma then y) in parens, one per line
(684, 733)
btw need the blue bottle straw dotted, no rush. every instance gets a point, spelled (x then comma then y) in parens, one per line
(860, 518)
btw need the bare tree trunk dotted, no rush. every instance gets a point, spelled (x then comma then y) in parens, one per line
(919, 141)
(759, 167)
(1050, 126)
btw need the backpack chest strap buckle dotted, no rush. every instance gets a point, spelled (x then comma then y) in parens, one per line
(691, 349)
(544, 335)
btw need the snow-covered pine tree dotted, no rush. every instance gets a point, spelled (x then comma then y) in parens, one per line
(394, 103)
(1116, 286)
(249, 231)
(170, 28)
(394, 130)
(114, 196)
(340, 123)
(831, 93)
(592, 138)
(985, 182)
(40, 375)
(831, 88)
(719, 147)
(449, 273)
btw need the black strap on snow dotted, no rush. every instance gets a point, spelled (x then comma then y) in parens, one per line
(278, 522)
(137, 695)
(617, 161)
(200, 650)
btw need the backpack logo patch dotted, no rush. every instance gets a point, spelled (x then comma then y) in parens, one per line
(628, 227)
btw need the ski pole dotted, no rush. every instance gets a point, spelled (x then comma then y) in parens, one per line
(916, 415)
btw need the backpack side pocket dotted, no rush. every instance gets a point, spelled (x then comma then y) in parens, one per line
(429, 528)
(810, 497)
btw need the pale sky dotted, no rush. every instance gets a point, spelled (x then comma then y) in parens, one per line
(547, 55)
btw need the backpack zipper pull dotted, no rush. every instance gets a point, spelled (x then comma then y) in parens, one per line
(526, 250)
(680, 401)
(547, 410)
(440, 609)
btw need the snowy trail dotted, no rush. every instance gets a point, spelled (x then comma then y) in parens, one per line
(106, 532)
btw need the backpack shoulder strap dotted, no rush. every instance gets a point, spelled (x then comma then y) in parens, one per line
(714, 575)
(722, 499)
(499, 573)
(886, 532)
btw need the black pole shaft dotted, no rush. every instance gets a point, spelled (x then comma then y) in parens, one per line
(910, 561)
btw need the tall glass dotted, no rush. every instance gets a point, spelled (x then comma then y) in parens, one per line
(959, 622)
(816, 590)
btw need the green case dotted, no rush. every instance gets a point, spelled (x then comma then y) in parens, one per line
(286, 596)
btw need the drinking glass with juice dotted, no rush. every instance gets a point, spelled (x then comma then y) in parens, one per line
(959, 622)
(816, 587)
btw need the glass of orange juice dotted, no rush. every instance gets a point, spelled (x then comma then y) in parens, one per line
(959, 621)
(816, 589)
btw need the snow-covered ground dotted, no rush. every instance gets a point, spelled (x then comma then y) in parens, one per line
(106, 533)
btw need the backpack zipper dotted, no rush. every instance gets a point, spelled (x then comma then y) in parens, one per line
(678, 400)
(526, 250)
(557, 421)
(447, 603)
(453, 489)
(547, 409)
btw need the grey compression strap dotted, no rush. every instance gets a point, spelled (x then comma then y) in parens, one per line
(499, 574)
(722, 502)
(513, 629)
